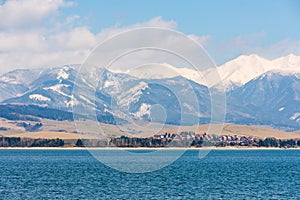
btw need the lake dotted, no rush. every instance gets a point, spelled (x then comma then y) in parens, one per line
(222, 174)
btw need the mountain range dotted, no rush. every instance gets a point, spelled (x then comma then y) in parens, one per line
(259, 91)
(234, 73)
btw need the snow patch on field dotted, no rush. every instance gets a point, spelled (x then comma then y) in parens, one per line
(132, 95)
(58, 89)
(72, 102)
(86, 100)
(62, 74)
(295, 116)
(144, 110)
(8, 79)
(39, 97)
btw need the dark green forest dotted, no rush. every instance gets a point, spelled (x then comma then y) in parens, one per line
(30, 142)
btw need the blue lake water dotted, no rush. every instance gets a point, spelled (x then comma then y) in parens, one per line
(75, 174)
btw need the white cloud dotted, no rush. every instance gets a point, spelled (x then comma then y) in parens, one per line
(156, 22)
(281, 48)
(78, 38)
(60, 44)
(21, 41)
(27, 13)
(202, 40)
(242, 44)
(255, 44)
(34, 35)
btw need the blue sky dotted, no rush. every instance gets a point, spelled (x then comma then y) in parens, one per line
(41, 33)
(222, 19)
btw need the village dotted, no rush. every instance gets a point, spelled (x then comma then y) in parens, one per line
(182, 140)
(187, 139)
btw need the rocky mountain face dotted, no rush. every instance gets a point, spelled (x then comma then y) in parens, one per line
(263, 96)
(271, 99)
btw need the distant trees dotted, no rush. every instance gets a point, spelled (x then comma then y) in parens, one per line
(79, 143)
(273, 142)
(30, 142)
(270, 142)
(155, 141)
(48, 143)
(91, 143)
(29, 127)
(289, 143)
(197, 141)
(32, 113)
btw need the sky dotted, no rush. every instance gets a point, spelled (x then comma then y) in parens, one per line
(48, 33)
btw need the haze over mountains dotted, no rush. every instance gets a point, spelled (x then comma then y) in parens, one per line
(259, 91)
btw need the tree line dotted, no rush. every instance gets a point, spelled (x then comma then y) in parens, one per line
(33, 113)
(169, 140)
(30, 142)
(273, 142)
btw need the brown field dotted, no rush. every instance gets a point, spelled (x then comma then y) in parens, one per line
(66, 130)
(255, 131)
(52, 135)
(228, 129)
(233, 129)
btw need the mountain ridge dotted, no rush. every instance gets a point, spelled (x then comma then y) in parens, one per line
(272, 98)
(235, 72)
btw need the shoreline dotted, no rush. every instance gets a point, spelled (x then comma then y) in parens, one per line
(146, 148)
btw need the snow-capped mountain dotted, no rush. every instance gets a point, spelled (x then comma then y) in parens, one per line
(164, 70)
(289, 62)
(16, 83)
(264, 92)
(241, 70)
(21, 76)
(49, 87)
(117, 94)
(147, 99)
(273, 97)
(234, 73)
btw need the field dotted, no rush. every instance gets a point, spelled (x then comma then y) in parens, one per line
(67, 130)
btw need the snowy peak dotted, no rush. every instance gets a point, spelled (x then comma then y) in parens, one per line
(251, 60)
(245, 68)
(20, 76)
(288, 62)
(164, 70)
(153, 71)
(242, 69)
(234, 73)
